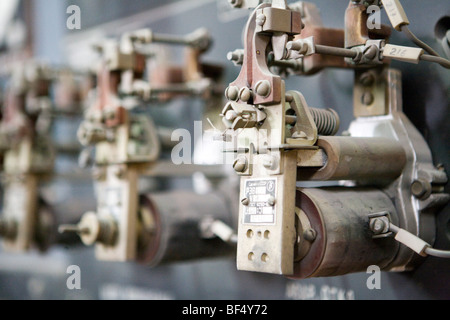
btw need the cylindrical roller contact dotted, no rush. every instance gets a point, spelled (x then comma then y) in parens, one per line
(344, 242)
(362, 159)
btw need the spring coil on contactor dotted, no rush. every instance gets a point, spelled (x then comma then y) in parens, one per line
(327, 121)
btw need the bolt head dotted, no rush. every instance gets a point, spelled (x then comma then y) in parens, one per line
(263, 88)
(232, 93)
(260, 19)
(240, 164)
(245, 94)
(421, 189)
(378, 225)
(245, 201)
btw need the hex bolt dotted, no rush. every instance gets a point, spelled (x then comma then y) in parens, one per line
(377, 225)
(421, 189)
(245, 94)
(245, 201)
(263, 88)
(240, 164)
(232, 93)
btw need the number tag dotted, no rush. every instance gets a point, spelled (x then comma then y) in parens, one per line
(401, 53)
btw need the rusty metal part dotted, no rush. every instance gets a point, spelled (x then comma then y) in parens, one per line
(356, 31)
(370, 92)
(162, 76)
(70, 94)
(254, 68)
(343, 242)
(170, 227)
(324, 36)
(108, 83)
(110, 77)
(361, 159)
(318, 62)
(311, 158)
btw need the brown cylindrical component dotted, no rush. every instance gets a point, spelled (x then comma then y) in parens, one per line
(361, 159)
(344, 242)
(176, 235)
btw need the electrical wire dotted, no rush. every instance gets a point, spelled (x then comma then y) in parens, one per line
(442, 61)
(410, 35)
(350, 53)
(437, 253)
(410, 238)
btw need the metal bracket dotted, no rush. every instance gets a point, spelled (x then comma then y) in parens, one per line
(304, 132)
